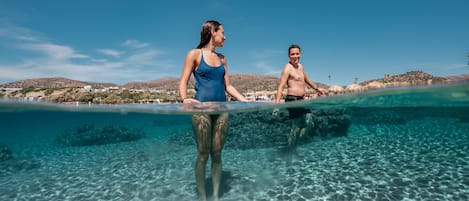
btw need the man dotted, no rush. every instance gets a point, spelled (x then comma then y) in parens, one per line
(294, 76)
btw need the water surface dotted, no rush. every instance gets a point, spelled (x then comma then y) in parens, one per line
(409, 143)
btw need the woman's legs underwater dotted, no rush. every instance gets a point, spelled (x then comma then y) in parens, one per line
(202, 126)
(220, 130)
(210, 131)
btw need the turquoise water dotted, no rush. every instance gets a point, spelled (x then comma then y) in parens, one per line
(407, 143)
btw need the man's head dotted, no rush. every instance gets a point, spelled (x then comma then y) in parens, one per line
(294, 53)
(296, 46)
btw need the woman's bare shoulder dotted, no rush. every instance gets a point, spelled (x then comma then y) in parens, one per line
(194, 52)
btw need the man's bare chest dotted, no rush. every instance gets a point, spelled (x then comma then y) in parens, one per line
(296, 75)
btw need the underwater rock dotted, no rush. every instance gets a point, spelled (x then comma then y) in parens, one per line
(10, 165)
(370, 116)
(183, 139)
(87, 135)
(16, 165)
(260, 129)
(328, 122)
(5, 153)
(402, 115)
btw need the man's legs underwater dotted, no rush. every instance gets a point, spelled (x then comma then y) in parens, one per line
(298, 128)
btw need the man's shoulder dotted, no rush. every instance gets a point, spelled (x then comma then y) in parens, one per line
(288, 66)
(287, 69)
(300, 66)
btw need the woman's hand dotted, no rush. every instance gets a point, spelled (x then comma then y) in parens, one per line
(247, 100)
(190, 100)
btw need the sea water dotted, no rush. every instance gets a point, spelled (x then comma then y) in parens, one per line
(409, 143)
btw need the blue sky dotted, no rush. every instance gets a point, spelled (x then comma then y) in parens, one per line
(123, 41)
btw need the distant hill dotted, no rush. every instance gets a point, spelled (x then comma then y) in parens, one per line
(251, 82)
(165, 84)
(412, 77)
(458, 78)
(242, 82)
(54, 82)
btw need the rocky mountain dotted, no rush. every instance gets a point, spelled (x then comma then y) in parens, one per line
(411, 77)
(458, 78)
(54, 82)
(165, 84)
(243, 82)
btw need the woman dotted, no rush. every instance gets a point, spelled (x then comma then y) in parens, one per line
(211, 81)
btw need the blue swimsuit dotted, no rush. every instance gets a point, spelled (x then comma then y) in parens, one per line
(209, 82)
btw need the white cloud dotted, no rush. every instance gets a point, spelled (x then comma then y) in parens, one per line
(143, 57)
(110, 52)
(266, 68)
(18, 33)
(263, 59)
(13, 73)
(140, 62)
(53, 51)
(99, 60)
(134, 44)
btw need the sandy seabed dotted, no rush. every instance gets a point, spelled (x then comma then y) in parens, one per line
(419, 160)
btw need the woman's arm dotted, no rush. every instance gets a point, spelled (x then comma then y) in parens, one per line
(229, 88)
(190, 62)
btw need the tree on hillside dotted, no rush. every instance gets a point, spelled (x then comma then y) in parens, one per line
(27, 89)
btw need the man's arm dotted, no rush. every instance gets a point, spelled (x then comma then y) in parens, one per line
(312, 84)
(282, 83)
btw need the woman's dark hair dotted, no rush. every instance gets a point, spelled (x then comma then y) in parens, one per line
(205, 33)
(293, 46)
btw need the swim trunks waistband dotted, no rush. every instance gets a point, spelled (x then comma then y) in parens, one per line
(293, 98)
